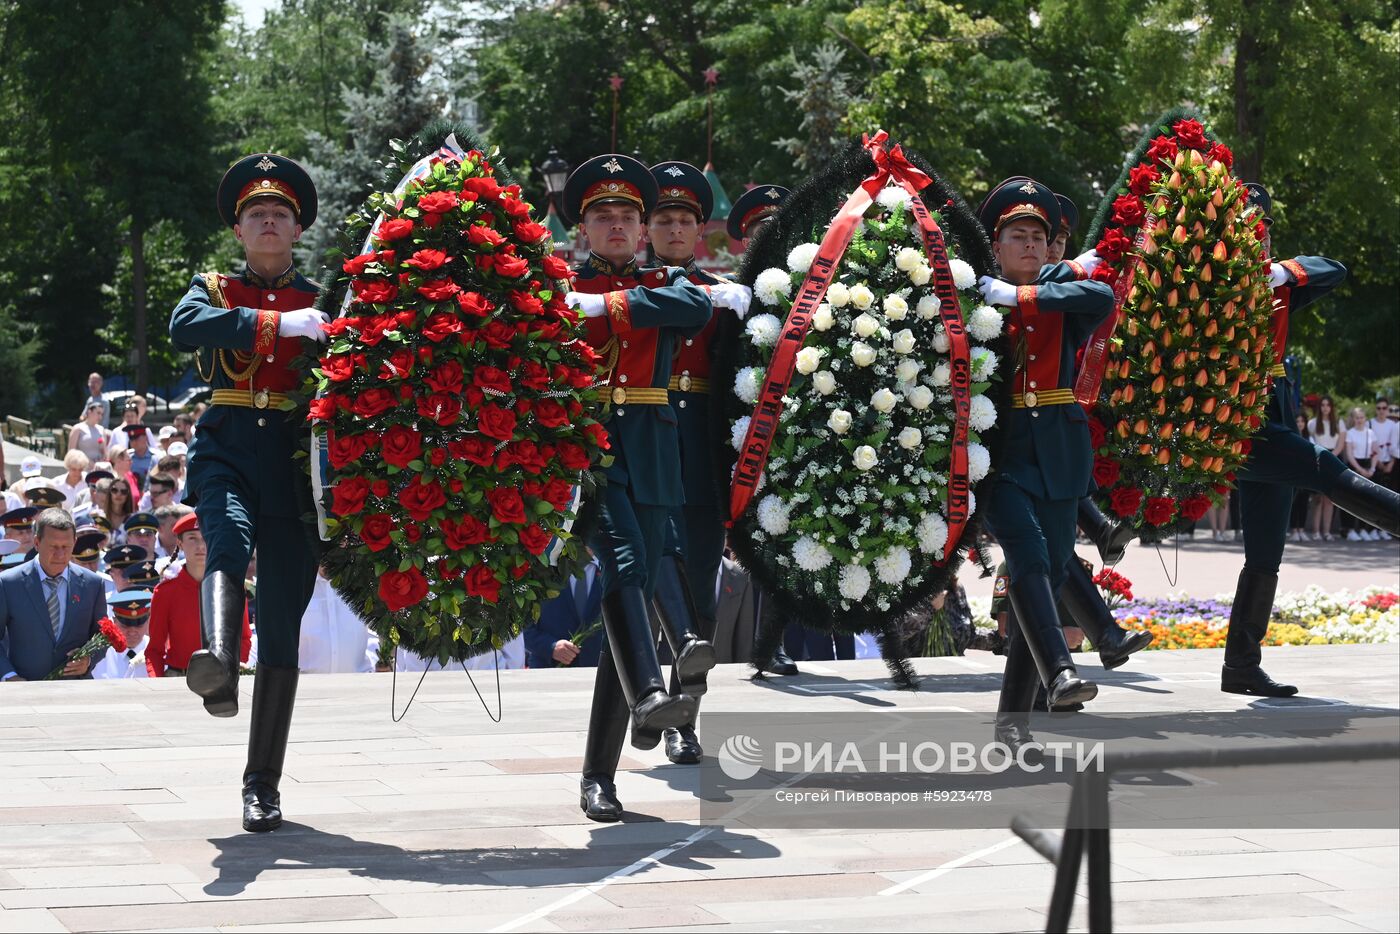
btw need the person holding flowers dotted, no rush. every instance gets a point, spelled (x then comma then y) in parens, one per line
(634, 319)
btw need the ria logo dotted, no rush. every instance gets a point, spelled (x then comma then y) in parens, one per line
(740, 757)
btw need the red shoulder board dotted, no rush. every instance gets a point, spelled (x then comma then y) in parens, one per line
(654, 278)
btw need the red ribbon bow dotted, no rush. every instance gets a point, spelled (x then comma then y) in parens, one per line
(890, 163)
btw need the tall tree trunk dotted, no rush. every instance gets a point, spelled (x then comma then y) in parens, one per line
(1249, 118)
(138, 303)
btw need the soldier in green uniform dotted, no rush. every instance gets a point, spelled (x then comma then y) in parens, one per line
(246, 328)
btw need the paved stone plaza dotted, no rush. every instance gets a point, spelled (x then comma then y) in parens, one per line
(121, 813)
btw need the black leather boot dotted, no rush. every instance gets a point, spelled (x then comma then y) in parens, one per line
(1249, 624)
(1019, 681)
(681, 625)
(1034, 603)
(1368, 501)
(633, 646)
(1109, 536)
(683, 746)
(1084, 606)
(607, 730)
(212, 672)
(766, 617)
(274, 695)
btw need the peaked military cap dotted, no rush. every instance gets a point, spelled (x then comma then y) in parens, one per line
(264, 175)
(45, 496)
(1259, 197)
(21, 518)
(93, 476)
(1069, 214)
(1016, 198)
(131, 606)
(8, 546)
(753, 205)
(142, 521)
(612, 177)
(143, 574)
(100, 520)
(87, 544)
(124, 556)
(681, 184)
(13, 560)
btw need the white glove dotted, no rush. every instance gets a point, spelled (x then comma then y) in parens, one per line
(1278, 275)
(733, 296)
(592, 306)
(996, 292)
(306, 323)
(1089, 261)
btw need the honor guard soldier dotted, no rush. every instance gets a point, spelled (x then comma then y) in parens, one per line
(118, 560)
(1031, 500)
(87, 552)
(246, 329)
(755, 205)
(143, 530)
(1069, 223)
(634, 319)
(143, 575)
(19, 526)
(1280, 459)
(131, 609)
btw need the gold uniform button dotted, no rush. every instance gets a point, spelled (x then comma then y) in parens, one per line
(1031, 399)
(619, 396)
(684, 383)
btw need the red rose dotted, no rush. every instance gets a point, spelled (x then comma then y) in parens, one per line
(374, 291)
(1113, 245)
(427, 260)
(440, 407)
(492, 378)
(374, 531)
(478, 451)
(446, 378)
(420, 498)
(1142, 178)
(440, 326)
(484, 237)
(525, 303)
(373, 402)
(380, 488)
(439, 202)
(338, 368)
(1191, 134)
(1128, 210)
(395, 229)
(551, 414)
(1163, 147)
(399, 365)
(556, 268)
(1159, 509)
(1097, 433)
(498, 334)
(374, 328)
(402, 589)
(481, 582)
(1193, 507)
(481, 189)
(535, 539)
(346, 449)
(512, 267)
(527, 454)
(1105, 472)
(438, 290)
(515, 207)
(559, 493)
(349, 496)
(1125, 500)
(1222, 154)
(474, 304)
(573, 456)
(496, 422)
(529, 232)
(506, 505)
(1105, 272)
(356, 266)
(401, 445)
(1221, 489)
(598, 433)
(535, 376)
(532, 488)
(459, 535)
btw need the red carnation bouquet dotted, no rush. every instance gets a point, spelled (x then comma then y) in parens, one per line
(108, 636)
(455, 403)
(1184, 364)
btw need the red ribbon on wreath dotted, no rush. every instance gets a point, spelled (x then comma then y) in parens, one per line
(890, 165)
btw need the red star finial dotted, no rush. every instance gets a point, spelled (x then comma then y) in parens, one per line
(711, 76)
(616, 82)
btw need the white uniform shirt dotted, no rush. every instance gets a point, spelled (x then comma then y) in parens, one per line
(1387, 439)
(128, 664)
(334, 639)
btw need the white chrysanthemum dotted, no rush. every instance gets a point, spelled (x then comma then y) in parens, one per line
(772, 285)
(822, 318)
(979, 462)
(907, 370)
(971, 503)
(928, 307)
(839, 421)
(738, 432)
(824, 381)
(942, 373)
(838, 295)
(854, 582)
(983, 414)
(984, 364)
(907, 258)
(763, 330)
(920, 274)
(984, 323)
(963, 275)
(862, 353)
(889, 198)
(903, 341)
(894, 565)
(895, 307)
(940, 340)
(920, 397)
(864, 457)
(861, 297)
(910, 438)
(883, 400)
(810, 554)
(865, 325)
(800, 259)
(773, 514)
(808, 359)
(747, 382)
(932, 534)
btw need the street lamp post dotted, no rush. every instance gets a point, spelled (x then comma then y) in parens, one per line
(556, 172)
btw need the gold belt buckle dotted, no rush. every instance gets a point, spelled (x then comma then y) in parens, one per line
(619, 395)
(1031, 399)
(684, 382)
(261, 399)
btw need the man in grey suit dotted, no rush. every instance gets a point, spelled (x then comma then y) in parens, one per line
(48, 606)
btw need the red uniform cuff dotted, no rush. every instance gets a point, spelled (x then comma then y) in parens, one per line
(1026, 299)
(1079, 271)
(619, 311)
(1296, 268)
(265, 331)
